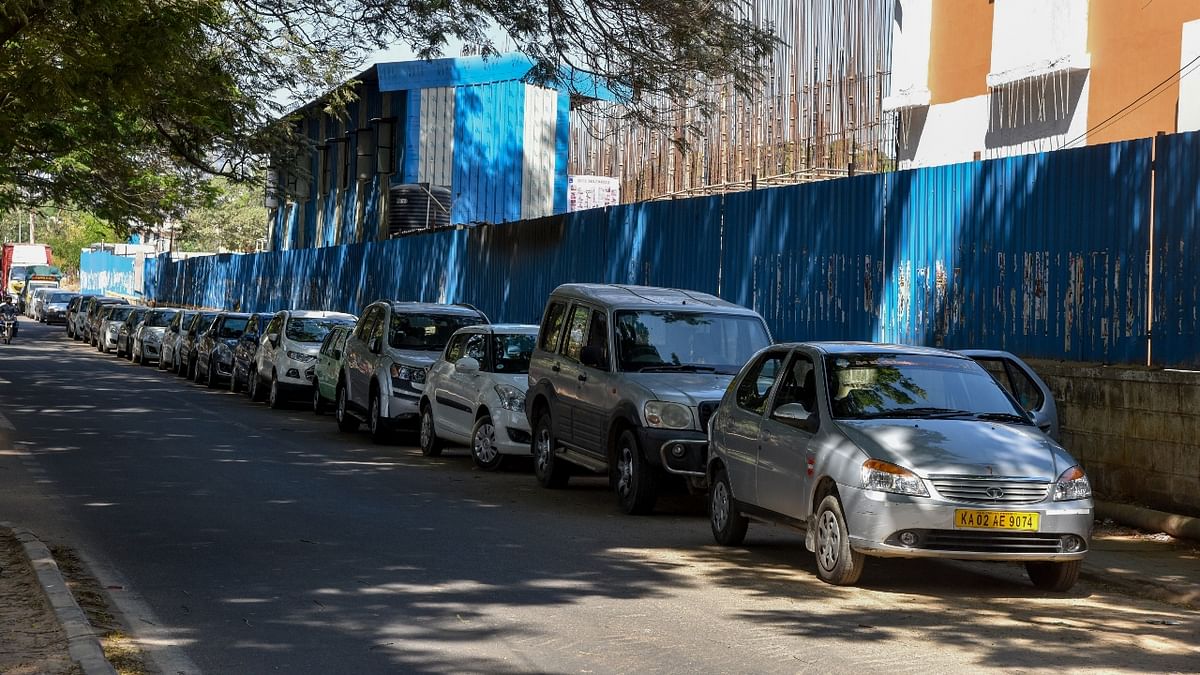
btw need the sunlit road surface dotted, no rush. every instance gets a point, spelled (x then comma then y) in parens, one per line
(244, 540)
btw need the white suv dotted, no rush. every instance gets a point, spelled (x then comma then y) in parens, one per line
(383, 371)
(475, 394)
(287, 353)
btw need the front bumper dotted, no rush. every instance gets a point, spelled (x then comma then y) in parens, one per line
(655, 444)
(55, 317)
(875, 520)
(513, 436)
(293, 373)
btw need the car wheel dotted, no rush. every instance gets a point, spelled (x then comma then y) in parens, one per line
(210, 373)
(254, 386)
(196, 370)
(728, 524)
(431, 445)
(234, 385)
(345, 421)
(318, 401)
(376, 424)
(483, 445)
(550, 472)
(1053, 576)
(274, 395)
(102, 348)
(636, 485)
(837, 563)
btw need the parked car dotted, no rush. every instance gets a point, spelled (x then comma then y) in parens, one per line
(92, 320)
(37, 301)
(126, 330)
(329, 365)
(77, 305)
(287, 353)
(475, 394)
(109, 320)
(186, 344)
(214, 348)
(894, 451)
(30, 297)
(247, 347)
(54, 307)
(1022, 383)
(620, 372)
(147, 338)
(168, 356)
(385, 361)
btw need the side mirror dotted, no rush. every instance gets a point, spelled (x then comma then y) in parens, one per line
(795, 415)
(467, 365)
(593, 357)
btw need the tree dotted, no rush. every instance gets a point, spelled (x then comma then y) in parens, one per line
(234, 221)
(119, 107)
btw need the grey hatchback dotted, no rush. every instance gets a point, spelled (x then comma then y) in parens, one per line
(894, 451)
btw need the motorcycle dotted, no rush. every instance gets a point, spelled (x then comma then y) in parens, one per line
(7, 328)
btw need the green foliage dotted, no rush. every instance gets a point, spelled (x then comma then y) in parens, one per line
(234, 220)
(66, 232)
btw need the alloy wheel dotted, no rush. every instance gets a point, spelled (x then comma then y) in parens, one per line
(829, 540)
(426, 427)
(625, 472)
(484, 443)
(543, 450)
(720, 505)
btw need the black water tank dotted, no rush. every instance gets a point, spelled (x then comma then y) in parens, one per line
(416, 206)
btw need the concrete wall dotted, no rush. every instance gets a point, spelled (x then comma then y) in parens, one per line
(1136, 430)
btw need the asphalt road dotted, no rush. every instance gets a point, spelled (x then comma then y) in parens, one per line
(239, 539)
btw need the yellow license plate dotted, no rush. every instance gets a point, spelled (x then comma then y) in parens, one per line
(996, 520)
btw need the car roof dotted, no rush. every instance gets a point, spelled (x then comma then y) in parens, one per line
(408, 307)
(493, 328)
(625, 296)
(854, 347)
(236, 315)
(317, 314)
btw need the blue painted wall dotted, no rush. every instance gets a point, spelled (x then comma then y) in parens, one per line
(104, 273)
(1045, 255)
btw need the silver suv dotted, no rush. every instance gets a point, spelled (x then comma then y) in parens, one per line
(622, 373)
(385, 358)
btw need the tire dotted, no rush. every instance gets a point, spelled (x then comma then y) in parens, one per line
(728, 524)
(275, 398)
(102, 348)
(637, 487)
(431, 445)
(345, 421)
(210, 375)
(1053, 576)
(376, 424)
(483, 445)
(837, 563)
(254, 386)
(234, 386)
(195, 370)
(319, 405)
(551, 472)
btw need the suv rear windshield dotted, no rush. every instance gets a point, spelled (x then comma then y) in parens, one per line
(673, 341)
(312, 329)
(426, 332)
(511, 353)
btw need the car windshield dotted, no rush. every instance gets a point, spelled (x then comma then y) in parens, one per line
(865, 386)
(426, 332)
(511, 353)
(159, 319)
(135, 316)
(204, 322)
(60, 297)
(120, 313)
(311, 329)
(674, 341)
(17, 273)
(233, 327)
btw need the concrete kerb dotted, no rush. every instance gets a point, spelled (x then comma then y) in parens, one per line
(83, 645)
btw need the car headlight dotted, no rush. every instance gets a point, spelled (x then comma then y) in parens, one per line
(300, 356)
(1072, 484)
(887, 477)
(408, 377)
(511, 398)
(667, 415)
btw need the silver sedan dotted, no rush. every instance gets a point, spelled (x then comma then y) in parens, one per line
(893, 451)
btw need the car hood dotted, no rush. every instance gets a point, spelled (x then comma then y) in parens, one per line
(60, 306)
(414, 358)
(311, 348)
(963, 447)
(687, 388)
(153, 330)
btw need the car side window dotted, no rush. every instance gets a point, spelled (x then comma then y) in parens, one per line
(755, 387)
(576, 332)
(377, 326)
(1024, 389)
(799, 384)
(454, 350)
(552, 327)
(363, 330)
(598, 333)
(275, 325)
(476, 348)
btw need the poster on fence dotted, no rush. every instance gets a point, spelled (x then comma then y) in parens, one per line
(591, 192)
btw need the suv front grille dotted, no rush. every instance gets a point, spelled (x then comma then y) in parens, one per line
(966, 541)
(989, 490)
(707, 408)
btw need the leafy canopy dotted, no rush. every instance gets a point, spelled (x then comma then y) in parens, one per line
(119, 107)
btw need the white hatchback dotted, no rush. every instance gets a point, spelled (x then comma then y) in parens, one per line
(287, 353)
(475, 393)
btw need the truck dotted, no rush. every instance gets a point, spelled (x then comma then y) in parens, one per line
(15, 264)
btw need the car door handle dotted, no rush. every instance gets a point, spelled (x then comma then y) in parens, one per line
(556, 368)
(583, 377)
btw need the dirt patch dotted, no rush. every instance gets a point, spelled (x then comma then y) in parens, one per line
(119, 648)
(31, 640)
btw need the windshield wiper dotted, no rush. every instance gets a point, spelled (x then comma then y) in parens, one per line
(925, 413)
(1003, 417)
(677, 368)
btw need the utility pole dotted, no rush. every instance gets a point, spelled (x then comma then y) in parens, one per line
(31, 226)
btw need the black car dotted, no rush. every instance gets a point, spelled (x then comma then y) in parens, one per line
(214, 348)
(188, 339)
(247, 347)
(125, 332)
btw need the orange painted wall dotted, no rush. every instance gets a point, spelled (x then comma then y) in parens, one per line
(960, 49)
(1134, 46)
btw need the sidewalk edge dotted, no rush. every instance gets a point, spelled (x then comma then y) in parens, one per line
(83, 645)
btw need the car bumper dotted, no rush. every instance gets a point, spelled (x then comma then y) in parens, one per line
(55, 317)
(513, 436)
(403, 407)
(149, 350)
(876, 520)
(110, 341)
(655, 443)
(294, 373)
